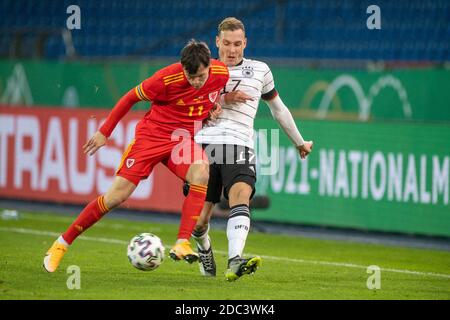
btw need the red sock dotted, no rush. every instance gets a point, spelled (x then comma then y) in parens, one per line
(192, 207)
(93, 212)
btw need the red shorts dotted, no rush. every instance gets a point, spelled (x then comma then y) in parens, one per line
(145, 152)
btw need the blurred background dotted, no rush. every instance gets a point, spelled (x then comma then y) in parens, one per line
(369, 86)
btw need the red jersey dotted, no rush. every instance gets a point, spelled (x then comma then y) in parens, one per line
(175, 102)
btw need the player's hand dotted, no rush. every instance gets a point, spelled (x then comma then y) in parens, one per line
(305, 149)
(236, 97)
(97, 141)
(215, 112)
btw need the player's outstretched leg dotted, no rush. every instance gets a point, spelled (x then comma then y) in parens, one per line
(93, 212)
(207, 263)
(120, 190)
(237, 267)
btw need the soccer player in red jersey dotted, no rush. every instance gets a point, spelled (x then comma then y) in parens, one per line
(181, 94)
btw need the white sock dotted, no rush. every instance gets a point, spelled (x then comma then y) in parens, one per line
(238, 227)
(62, 241)
(202, 239)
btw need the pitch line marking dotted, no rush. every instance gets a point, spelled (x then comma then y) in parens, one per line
(324, 263)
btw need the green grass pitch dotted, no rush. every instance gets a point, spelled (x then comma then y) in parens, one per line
(293, 268)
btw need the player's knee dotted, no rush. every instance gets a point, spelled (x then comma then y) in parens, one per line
(240, 193)
(200, 175)
(246, 193)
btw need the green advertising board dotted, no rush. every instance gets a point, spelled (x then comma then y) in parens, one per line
(400, 95)
(388, 177)
(71, 84)
(409, 95)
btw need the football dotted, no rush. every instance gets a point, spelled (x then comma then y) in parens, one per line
(146, 251)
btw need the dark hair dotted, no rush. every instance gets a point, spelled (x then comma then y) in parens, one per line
(193, 54)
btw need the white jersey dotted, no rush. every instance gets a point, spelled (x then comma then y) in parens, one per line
(235, 123)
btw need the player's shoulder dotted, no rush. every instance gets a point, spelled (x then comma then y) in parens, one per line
(218, 67)
(219, 71)
(218, 64)
(171, 73)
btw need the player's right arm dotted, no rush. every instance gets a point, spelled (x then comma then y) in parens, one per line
(97, 141)
(121, 108)
(148, 90)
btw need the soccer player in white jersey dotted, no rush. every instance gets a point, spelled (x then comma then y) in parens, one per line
(229, 143)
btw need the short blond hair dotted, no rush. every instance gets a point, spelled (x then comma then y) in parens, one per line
(230, 24)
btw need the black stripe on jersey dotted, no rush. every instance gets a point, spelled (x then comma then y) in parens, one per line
(265, 74)
(233, 77)
(236, 132)
(256, 70)
(246, 85)
(232, 109)
(249, 105)
(244, 124)
(269, 95)
(221, 136)
(268, 83)
(226, 129)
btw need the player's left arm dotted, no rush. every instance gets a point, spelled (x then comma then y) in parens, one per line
(284, 117)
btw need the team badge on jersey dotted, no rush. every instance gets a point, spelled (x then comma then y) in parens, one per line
(213, 96)
(247, 72)
(130, 162)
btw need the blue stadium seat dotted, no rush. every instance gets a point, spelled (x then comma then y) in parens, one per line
(413, 29)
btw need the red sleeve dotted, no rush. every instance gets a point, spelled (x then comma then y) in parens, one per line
(151, 89)
(118, 112)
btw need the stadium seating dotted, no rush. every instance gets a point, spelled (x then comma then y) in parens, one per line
(411, 30)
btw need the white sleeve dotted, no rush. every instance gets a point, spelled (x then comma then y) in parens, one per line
(284, 117)
(269, 83)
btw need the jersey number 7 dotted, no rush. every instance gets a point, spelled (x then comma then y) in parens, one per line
(235, 87)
